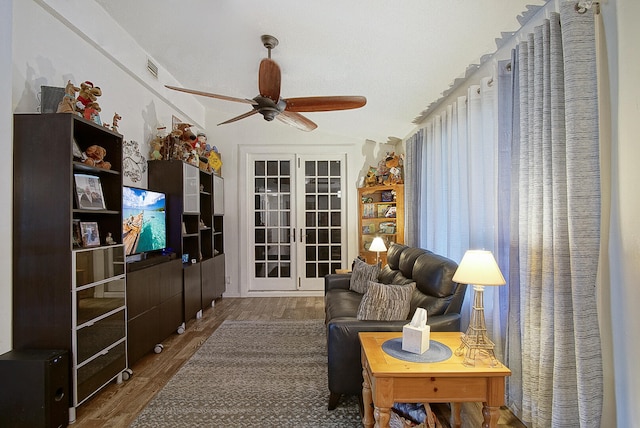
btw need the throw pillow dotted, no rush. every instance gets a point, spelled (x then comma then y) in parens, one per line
(361, 274)
(386, 302)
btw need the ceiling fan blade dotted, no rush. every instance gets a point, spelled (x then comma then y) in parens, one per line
(269, 79)
(242, 116)
(296, 120)
(309, 104)
(210, 95)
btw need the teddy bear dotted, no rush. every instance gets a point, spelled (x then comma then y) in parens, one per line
(94, 156)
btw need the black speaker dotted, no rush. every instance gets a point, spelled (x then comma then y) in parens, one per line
(34, 389)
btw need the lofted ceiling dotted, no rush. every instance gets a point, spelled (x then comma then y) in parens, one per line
(400, 55)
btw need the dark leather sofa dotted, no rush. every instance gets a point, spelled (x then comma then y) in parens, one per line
(435, 291)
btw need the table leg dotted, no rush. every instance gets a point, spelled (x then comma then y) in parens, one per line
(456, 421)
(367, 401)
(491, 415)
(382, 416)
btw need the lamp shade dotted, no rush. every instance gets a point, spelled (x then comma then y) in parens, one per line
(377, 244)
(478, 267)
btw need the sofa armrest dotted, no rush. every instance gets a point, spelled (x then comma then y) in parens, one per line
(343, 352)
(337, 280)
(343, 347)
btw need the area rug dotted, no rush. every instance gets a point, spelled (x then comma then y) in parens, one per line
(253, 374)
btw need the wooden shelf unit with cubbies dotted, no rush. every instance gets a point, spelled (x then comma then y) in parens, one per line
(380, 213)
(68, 287)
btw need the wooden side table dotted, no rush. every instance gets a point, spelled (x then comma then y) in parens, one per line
(388, 380)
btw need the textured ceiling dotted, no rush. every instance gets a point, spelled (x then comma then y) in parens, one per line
(401, 55)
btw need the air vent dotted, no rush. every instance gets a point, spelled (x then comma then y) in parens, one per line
(153, 69)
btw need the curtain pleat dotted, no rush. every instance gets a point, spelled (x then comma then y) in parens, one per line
(413, 186)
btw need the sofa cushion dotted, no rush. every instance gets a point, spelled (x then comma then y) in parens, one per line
(340, 303)
(435, 288)
(361, 274)
(386, 302)
(408, 259)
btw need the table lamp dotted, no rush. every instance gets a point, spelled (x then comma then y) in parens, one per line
(478, 268)
(377, 245)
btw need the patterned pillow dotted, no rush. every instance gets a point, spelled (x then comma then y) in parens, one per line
(386, 302)
(361, 274)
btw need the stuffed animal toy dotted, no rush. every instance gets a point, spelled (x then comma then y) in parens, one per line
(156, 147)
(92, 112)
(67, 104)
(94, 156)
(200, 144)
(88, 93)
(371, 179)
(114, 125)
(187, 135)
(394, 164)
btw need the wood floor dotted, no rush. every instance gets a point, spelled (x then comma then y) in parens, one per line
(118, 405)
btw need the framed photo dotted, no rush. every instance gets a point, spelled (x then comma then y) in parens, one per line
(76, 234)
(90, 234)
(89, 192)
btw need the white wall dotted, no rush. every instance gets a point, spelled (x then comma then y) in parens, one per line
(624, 244)
(47, 42)
(6, 174)
(54, 42)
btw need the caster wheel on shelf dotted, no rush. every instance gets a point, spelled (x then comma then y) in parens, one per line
(181, 329)
(126, 374)
(158, 348)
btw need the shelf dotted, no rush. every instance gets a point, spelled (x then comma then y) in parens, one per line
(373, 202)
(79, 166)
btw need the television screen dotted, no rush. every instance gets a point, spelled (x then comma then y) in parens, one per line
(144, 226)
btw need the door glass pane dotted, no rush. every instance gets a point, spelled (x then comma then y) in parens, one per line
(322, 218)
(272, 219)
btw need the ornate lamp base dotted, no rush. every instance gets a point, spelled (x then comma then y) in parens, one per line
(476, 342)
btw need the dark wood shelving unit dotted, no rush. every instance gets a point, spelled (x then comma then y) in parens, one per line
(194, 231)
(64, 296)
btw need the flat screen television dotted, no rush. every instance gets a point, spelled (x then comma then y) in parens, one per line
(144, 225)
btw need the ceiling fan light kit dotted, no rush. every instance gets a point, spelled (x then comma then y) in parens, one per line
(269, 103)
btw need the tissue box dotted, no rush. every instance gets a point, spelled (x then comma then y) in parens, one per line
(415, 339)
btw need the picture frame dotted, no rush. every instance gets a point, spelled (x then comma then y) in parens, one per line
(89, 194)
(90, 234)
(76, 234)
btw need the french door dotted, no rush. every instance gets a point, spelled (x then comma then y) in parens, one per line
(296, 223)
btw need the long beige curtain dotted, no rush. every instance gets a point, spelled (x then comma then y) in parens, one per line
(559, 223)
(537, 207)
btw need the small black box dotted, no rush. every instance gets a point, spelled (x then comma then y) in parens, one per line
(34, 390)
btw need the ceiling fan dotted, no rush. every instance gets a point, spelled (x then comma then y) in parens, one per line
(269, 104)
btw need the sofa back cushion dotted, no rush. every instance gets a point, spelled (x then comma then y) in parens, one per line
(390, 273)
(408, 259)
(435, 288)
